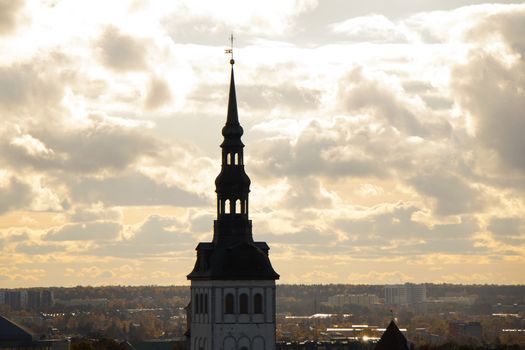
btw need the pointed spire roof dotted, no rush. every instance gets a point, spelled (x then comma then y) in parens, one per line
(233, 117)
(232, 130)
(392, 339)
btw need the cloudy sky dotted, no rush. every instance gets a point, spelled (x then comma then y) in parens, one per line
(385, 140)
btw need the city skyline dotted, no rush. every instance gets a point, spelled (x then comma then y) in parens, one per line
(383, 141)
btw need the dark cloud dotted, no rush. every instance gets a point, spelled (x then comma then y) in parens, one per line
(398, 224)
(99, 146)
(97, 230)
(158, 235)
(493, 90)
(331, 152)
(357, 94)
(122, 52)
(305, 192)
(507, 226)
(452, 194)
(262, 97)
(14, 194)
(202, 223)
(437, 102)
(307, 236)
(18, 237)
(38, 249)
(83, 214)
(30, 89)
(130, 190)
(508, 230)
(267, 97)
(159, 94)
(9, 13)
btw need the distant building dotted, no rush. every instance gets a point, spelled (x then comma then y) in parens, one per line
(352, 299)
(96, 302)
(22, 299)
(405, 294)
(459, 299)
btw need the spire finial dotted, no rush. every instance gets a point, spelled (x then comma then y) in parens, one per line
(230, 50)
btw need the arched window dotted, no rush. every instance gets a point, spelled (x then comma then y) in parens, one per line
(243, 303)
(197, 304)
(238, 206)
(228, 158)
(227, 206)
(236, 158)
(257, 304)
(228, 304)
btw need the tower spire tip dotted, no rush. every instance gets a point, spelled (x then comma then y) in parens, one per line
(230, 50)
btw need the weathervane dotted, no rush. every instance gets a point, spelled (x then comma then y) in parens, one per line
(230, 50)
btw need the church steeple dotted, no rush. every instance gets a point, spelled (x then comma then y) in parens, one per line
(232, 282)
(233, 253)
(232, 185)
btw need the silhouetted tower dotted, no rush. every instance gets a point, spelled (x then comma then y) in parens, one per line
(233, 281)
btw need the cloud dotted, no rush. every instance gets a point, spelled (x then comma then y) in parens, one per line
(18, 237)
(208, 22)
(327, 150)
(100, 145)
(122, 52)
(9, 14)
(359, 93)
(376, 277)
(14, 194)
(97, 230)
(496, 98)
(159, 94)
(287, 95)
(372, 28)
(130, 190)
(95, 213)
(508, 230)
(30, 89)
(156, 236)
(38, 249)
(451, 194)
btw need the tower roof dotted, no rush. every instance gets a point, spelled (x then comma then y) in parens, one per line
(10, 331)
(232, 130)
(392, 339)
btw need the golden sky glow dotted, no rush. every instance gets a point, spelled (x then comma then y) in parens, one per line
(384, 142)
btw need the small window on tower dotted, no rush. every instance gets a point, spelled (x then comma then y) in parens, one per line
(201, 302)
(236, 159)
(206, 303)
(243, 303)
(238, 206)
(257, 303)
(228, 304)
(197, 304)
(227, 207)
